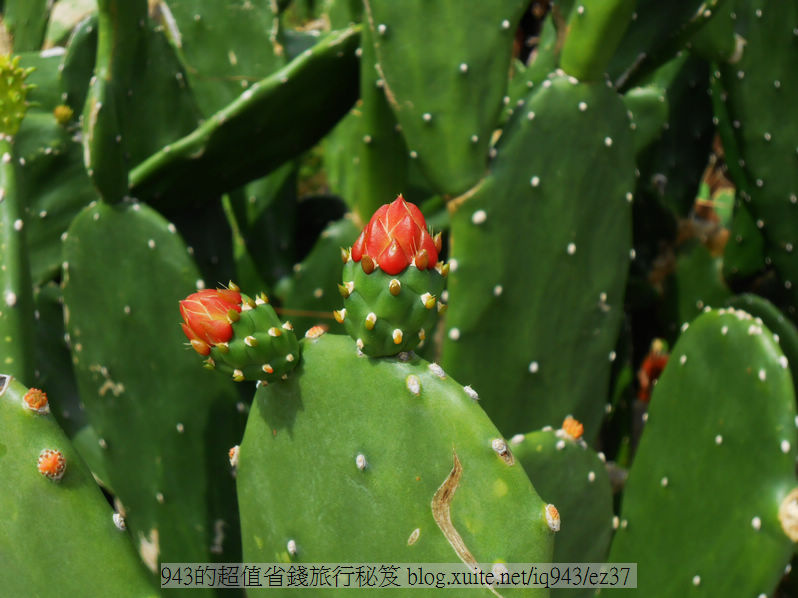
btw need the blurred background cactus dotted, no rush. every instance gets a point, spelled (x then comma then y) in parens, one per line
(611, 191)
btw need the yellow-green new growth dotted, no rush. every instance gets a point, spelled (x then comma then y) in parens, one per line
(13, 94)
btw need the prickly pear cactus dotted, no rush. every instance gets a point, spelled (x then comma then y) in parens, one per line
(569, 474)
(520, 242)
(125, 268)
(392, 281)
(735, 455)
(351, 444)
(445, 90)
(241, 336)
(765, 139)
(53, 512)
(16, 296)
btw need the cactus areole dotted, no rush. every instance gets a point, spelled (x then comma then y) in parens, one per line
(240, 336)
(392, 280)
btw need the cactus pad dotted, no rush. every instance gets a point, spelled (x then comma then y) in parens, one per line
(715, 461)
(381, 460)
(54, 516)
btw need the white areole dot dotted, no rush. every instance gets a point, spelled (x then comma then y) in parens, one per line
(479, 217)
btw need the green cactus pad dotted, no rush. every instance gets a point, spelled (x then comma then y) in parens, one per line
(120, 35)
(446, 90)
(26, 21)
(657, 32)
(649, 113)
(716, 41)
(228, 150)
(384, 161)
(49, 169)
(594, 31)
(49, 526)
(224, 46)
(262, 347)
(785, 333)
(695, 284)
(766, 139)
(574, 477)
(671, 169)
(263, 217)
(346, 460)
(384, 323)
(16, 295)
(165, 423)
(540, 254)
(744, 254)
(715, 461)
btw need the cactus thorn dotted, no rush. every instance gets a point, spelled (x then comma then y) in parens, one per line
(119, 522)
(553, 518)
(437, 239)
(413, 384)
(267, 368)
(274, 331)
(394, 287)
(371, 320)
(346, 288)
(428, 300)
(250, 341)
(238, 376)
(288, 325)
(360, 461)
(233, 316)
(345, 255)
(224, 348)
(397, 336)
(340, 314)
(368, 264)
(233, 455)
(261, 298)
(315, 332)
(421, 261)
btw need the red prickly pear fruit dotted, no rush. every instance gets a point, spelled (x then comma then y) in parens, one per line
(395, 237)
(206, 317)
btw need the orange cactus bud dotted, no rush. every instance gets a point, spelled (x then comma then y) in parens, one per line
(395, 237)
(573, 427)
(36, 400)
(207, 317)
(51, 464)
